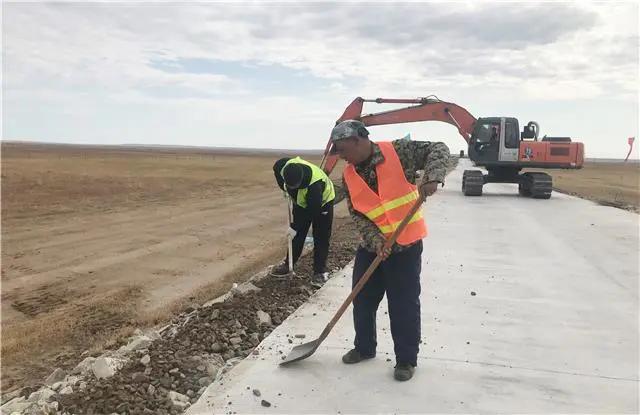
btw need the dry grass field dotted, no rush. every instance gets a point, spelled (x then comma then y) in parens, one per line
(608, 183)
(97, 241)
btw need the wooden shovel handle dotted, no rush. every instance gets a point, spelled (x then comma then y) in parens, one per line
(289, 238)
(372, 267)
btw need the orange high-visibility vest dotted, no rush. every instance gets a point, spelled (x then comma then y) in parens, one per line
(393, 201)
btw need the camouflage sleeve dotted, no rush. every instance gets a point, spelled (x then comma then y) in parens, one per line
(369, 232)
(437, 162)
(341, 193)
(432, 157)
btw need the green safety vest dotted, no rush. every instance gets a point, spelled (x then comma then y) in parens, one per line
(316, 174)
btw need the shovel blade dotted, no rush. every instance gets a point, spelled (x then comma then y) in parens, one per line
(300, 352)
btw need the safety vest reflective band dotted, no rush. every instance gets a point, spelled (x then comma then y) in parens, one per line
(394, 199)
(317, 174)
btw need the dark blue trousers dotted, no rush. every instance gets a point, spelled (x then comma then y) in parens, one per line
(399, 277)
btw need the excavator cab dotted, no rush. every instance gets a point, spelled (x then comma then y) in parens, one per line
(494, 140)
(496, 144)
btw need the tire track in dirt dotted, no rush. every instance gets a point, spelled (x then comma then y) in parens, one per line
(113, 226)
(123, 242)
(200, 248)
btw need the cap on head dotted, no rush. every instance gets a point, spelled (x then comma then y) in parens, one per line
(293, 175)
(279, 164)
(349, 128)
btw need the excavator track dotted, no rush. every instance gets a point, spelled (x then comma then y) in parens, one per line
(472, 182)
(536, 185)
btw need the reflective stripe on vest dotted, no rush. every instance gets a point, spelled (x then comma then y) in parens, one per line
(317, 174)
(393, 201)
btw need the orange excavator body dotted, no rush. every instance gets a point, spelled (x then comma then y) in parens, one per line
(493, 143)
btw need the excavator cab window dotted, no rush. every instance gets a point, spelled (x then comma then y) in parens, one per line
(488, 133)
(511, 135)
(487, 136)
(494, 137)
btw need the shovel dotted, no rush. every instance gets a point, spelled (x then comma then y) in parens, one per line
(305, 350)
(289, 236)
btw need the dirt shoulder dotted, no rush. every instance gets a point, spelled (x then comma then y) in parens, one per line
(178, 362)
(607, 183)
(99, 241)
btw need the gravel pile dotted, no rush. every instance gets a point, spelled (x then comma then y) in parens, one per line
(165, 375)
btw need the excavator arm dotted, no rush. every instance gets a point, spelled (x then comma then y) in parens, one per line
(425, 109)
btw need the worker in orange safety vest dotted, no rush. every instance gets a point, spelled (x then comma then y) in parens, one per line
(380, 183)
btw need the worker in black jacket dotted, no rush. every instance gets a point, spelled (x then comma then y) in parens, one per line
(312, 193)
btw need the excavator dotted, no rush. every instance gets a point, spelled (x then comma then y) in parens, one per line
(494, 143)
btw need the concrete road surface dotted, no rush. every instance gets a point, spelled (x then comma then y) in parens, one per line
(552, 327)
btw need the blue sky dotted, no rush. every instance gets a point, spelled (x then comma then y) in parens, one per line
(277, 75)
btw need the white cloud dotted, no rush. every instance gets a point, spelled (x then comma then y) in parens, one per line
(92, 56)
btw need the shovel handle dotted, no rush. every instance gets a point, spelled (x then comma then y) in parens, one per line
(372, 267)
(289, 206)
(289, 237)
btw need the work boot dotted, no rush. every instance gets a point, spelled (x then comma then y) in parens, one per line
(403, 371)
(280, 270)
(318, 279)
(354, 356)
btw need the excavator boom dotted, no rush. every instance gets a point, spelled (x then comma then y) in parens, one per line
(425, 109)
